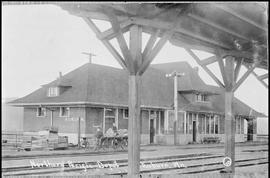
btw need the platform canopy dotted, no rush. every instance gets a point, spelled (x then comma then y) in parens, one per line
(235, 33)
(239, 29)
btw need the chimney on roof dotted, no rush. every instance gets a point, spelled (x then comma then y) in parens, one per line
(196, 69)
(60, 75)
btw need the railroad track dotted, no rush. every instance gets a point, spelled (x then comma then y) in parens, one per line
(208, 163)
(86, 153)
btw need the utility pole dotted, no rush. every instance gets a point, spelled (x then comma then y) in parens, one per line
(175, 75)
(90, 56)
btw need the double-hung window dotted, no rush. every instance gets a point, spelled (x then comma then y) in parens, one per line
(125, 113)
(64, 111)
(53, 91)
(41, 112)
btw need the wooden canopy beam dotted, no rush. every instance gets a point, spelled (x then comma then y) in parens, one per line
(239, 54)
(222, 70)
(106, 43)
(152, 54)
(207, 22)
(110, 34)
(260, 79)
(237, 68)
(179, 29)
(136, 46)
(241, 17)
(197, 59)
(121, 40)
(244, 77)
(151, 43)
(209, 60)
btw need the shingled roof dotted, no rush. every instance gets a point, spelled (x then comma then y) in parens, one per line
(98, 84)
(103, 85)
(190, 82)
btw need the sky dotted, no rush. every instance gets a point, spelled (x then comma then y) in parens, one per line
(39, 41)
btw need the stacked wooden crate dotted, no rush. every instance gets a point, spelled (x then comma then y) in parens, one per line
(39, 143)
(54, 140)
(45, 140)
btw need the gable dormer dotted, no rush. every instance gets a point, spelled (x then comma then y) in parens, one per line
(58, 87)
(53, 91)
(201, 97)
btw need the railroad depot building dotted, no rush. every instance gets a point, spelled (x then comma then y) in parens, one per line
(98, 95)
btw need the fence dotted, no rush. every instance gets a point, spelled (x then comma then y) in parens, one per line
(11, 140)
(259, 137)
(262, 138)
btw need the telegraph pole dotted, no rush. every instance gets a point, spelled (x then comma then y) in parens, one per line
(90, 56)
(175, 75)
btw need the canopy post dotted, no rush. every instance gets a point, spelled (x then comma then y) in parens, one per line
(229, 116)
(134, 126)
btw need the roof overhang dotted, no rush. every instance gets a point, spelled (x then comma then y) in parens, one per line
(199, 92)
(239, 29)
(84, 103)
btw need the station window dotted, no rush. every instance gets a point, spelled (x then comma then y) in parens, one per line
(53, 91)
(212, 124)
(207, 125)
(201, 97)
(216, 124)
(41, 112)
(64, 111)
(201, 124)
(189, 129)
(125, 113)
(170, 122)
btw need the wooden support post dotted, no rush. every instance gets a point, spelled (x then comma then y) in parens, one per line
(135, 65)
(79, 132)
(134, 135)
(116, 117)
(104, 120)
(197, 125)
(229, 116)
(134, 126)
(175, 109)
(51, 118)
(214, 124)
(209, 122)
(188, 124)
(205, 124)
(185, 123)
